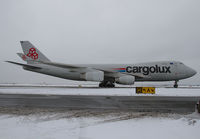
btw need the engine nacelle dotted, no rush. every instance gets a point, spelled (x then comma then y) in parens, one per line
(97, 76)
(126, 80)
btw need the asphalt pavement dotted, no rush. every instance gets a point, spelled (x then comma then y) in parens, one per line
(132, 103)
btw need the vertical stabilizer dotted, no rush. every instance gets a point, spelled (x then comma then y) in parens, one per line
(32, 53)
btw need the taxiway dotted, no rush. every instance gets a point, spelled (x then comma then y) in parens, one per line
(133, 103)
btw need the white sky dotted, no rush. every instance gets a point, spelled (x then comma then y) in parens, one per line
(99, 31)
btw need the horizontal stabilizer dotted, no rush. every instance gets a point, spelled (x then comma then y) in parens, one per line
(24, 65)
(23, 56)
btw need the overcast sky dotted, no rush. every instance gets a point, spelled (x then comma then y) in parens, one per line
(99, 31)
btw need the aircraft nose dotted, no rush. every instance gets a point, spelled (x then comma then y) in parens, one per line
(192, 72)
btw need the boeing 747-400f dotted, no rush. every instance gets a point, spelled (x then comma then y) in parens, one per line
(106, 74)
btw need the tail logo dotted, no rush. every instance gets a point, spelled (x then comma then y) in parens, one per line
(32, 54)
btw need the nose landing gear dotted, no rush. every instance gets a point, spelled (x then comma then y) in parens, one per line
(176, 84)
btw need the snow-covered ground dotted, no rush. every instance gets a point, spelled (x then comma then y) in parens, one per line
(127, 125)
(138, 126)
(98, 91)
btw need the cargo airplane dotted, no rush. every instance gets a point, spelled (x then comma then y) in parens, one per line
(106, 74)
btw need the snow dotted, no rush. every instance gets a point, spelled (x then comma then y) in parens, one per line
(145, 128)
(97, 91)
(43, 127)
(56, 125)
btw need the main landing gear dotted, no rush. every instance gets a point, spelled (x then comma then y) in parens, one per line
(176, 84)
(107, 84)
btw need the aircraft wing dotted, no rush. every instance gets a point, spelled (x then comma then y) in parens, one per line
(61, 65)
(119, 74)
(107, 72)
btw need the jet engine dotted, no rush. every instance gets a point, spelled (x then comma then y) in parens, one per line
(126, 80)
(97, 76)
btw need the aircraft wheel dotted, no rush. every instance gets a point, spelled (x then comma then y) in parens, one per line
(176, 84)
(107, 84)
(101, 84)
(110, 85)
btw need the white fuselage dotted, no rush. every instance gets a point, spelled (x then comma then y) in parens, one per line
(152, 71)
(106, 74)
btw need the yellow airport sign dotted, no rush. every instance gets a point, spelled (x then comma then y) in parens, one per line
(145, 90)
